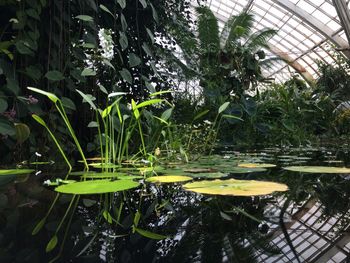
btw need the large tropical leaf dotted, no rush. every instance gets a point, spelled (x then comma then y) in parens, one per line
(259, 39)
(208, 29)
(238, 27)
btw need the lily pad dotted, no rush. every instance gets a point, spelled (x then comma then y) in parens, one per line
(235, 187)
(318, 169)
(16, 171)
(97, 187)
(104, 165)
(256, 165)
(168, 179)
(199, 170)
(242, 170)
(209, 175)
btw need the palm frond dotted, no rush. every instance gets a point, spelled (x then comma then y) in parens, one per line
(239, 27)
(208, 29)
(269, 62)
(260, 39)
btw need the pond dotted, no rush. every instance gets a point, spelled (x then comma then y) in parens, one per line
(266, 205)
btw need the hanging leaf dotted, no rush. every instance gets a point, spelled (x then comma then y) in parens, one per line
(143, 3)
(123, 22)
(54, 75)
(104, 8)
(136, 111)
(108, 63)
(85, 18)
(68, 103)
(223, 107)
(134, 60)
(22, 132)
(150, 34)
(147, 49)
(123, 40)
(126, 75)
(154, 13)
(88, 98)
(107, 216)
(50, 95)
(3, 105)
(122, 3)
(88, 72)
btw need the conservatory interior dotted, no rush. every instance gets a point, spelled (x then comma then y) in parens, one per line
(175, 131)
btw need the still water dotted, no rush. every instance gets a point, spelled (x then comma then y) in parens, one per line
(307, 223)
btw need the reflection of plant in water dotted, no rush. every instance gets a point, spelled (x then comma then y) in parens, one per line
(215, 230)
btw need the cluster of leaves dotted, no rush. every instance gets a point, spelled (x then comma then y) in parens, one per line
(60, 46)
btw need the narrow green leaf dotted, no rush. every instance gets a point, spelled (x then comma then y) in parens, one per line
(150, 34)
(39, 226)
(137, 218)
(108, 63)
(143, 3)
(104, 8)
(231, 117)
(201, 114)
(50, 95)
(136, 111)
(85, 18)
(223, 107)
(114, 94)
(123, 22)
(107, 216)
(87, 99)
(166, 114)
(52, 244)
(92, 124)
(39, 120)
(154, 13)
(149, 234)
(160, 93)
(123, 40)
(161, 120)
(122, 3)
(148, 102)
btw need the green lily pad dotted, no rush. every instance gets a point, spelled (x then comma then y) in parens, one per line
(199, 170)
(104, 165)
(209, 175)
(256, 165)
(97, 187)
(235, 187)
(16, 171)
(243, 170)
(318, 169)
(168, 179)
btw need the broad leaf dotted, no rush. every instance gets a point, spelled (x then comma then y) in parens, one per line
(85, 18)
(88, 72)
(87, 99)
(54, 75)
(134, 60)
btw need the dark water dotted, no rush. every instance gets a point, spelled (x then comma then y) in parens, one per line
(309, 223)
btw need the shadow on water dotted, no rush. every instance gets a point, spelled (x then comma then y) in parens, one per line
(308, 223)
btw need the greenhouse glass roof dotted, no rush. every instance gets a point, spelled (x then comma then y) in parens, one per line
(308, 31)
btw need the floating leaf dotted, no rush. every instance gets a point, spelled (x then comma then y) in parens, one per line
(209, 175)
(318, 169)
(168, 179)
(256, 165)
(16, 171)
(235, 187)
(97, 187)
(109, 175)
(242, 170)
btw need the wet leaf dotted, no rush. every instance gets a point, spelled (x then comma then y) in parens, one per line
(318, 169)
(256, 165)
(97, 187)
(235, 187)
(168, 179)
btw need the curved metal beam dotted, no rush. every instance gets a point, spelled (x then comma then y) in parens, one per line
(294, 64)
(344, 16)
(315, 24)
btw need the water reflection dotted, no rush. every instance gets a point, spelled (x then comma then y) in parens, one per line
(309, 223)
